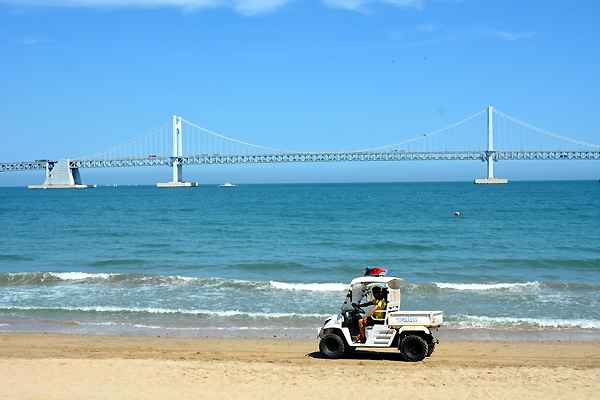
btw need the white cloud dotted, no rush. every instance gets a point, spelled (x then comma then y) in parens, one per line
(185, 4)
(508, 35)
(426, 27)
(253, 7)
(244, 7)
(428, 33)
(33, 41)
(426, 41)
(355, 5)
(404, 3)
(360, 5)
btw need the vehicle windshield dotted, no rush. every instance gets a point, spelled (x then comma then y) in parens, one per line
(363, 285)
(355, 294)
(359, 293)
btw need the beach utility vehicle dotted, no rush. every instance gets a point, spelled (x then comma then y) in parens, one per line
(410, 331)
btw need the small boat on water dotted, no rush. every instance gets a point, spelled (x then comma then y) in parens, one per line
(227, 184)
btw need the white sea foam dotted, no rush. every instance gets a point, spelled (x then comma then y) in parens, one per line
(482, 322)
(185, 278)
(314, 287)
(151, 326)
(158, 310)
(74, 276)
(483, 286)
(216, 328)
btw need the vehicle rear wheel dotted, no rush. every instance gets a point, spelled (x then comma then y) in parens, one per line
(332, 346)
(413, 348)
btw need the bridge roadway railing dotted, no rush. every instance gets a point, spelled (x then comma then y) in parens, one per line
(284, 157)
(548, 155)
(399, 155)
(25, 165)
(481, 155)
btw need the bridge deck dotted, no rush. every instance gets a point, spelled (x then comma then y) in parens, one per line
(481, 155)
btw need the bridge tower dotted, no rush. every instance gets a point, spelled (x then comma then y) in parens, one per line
(489, 154)
(177, 158)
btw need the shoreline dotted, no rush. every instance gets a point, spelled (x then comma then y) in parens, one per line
(65, 346)
(475, 334)
(53, 366)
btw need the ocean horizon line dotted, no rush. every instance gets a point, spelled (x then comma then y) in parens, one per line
(332, 183)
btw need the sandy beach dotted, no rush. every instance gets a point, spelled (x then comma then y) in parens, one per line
(50, 366)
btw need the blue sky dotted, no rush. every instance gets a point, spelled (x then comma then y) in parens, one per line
(79, 76)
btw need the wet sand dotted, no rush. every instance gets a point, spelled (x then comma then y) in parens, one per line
(52, 366)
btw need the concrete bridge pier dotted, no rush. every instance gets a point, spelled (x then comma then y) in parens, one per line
(62, 176)
(176, 159)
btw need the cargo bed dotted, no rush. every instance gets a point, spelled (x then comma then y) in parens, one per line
(397, 319)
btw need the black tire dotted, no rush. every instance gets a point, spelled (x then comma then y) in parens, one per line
(431, 348)
(332, 346)
(413, 348)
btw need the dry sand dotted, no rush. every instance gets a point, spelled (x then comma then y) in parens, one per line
(40, 366)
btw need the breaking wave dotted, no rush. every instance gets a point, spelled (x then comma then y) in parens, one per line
(315, 287)
(483, 322)
(493, 286)
(54, 278)
(165, 311)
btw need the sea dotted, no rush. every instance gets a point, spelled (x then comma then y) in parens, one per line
(275, 260)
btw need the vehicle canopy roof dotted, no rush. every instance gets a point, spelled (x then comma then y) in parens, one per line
(389, 281)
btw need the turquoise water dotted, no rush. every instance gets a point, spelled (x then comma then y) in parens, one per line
(256, 258)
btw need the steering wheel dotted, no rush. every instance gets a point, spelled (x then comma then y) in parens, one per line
(357, 308)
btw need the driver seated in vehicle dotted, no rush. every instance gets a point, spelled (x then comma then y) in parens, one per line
(374, 316)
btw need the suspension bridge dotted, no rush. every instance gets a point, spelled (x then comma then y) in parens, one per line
(488, 136)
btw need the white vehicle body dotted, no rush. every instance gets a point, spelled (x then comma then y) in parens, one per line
(396, 325)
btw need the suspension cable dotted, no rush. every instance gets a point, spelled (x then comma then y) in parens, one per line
(545, 132)
(162, 126)
(237, 141)
(127, 143)
(424, 136)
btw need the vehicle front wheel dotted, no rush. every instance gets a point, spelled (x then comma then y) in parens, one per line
(413, 348)
(332, 346)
